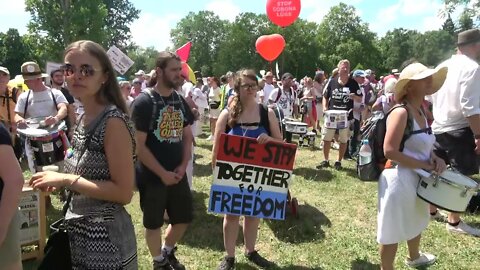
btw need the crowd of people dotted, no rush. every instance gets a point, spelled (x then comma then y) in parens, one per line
(143, 133)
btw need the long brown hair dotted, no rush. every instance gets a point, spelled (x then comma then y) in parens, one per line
(236, 107)
(161, 62)
(109, 91)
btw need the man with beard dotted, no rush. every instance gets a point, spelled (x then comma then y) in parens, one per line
(57, 83)
(164, 138)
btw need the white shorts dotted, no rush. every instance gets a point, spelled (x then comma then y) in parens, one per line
(329, 133)
(214, 113)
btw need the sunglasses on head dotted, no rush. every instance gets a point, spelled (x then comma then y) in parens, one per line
(85, 70)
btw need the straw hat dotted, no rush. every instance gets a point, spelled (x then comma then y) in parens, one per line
(417, 71)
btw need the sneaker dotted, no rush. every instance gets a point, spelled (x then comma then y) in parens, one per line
(323, 164)
(424, 260)
(228, 263)
(172, 260)
(337, 165)
(321, 145)
(162, 265)
(259, 260)
(439, 216)
(463, 228)
(210, 138)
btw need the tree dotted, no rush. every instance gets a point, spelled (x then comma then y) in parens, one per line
(396, 47)
(14, 51)
(206, 31)
(465, 22)
(238, 48)
(433, 47)
(343, 26)
(144, 59)
(121, 13)
(57, 23)
(449, 26)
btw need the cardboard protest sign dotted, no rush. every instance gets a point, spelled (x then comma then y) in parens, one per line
(120, 61)
(251, 179)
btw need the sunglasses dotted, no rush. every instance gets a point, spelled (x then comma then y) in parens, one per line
(85, 70)
(247, 86)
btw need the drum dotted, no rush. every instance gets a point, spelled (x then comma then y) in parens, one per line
(307, 139)
(47, 144)
(281, 118)
(336, 119)
(296, 127)
(451, 190)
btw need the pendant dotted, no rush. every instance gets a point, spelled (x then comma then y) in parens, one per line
(174, 132)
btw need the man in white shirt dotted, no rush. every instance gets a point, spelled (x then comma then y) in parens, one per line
(39, 101)
(456, 112)
(268, 88)
(285, 99)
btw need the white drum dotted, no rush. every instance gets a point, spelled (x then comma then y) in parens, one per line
(451, 190)
(296, 127)
(336, 119)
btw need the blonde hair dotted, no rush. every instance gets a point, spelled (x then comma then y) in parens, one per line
(344, 61)
(236, 108)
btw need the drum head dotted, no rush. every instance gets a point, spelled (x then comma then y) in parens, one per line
(458, 178)
(34, 131)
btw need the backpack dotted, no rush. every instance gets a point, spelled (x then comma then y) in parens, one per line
(374, 131)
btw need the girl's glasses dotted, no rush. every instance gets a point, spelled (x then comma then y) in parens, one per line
(247, 86)
(85, 70)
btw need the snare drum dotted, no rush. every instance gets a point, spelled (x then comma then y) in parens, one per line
(281, 118)
(48, 145)
(336, 119)
(451, 190)
(296, 127)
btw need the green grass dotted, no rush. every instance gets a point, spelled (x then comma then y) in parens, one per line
(336, 228)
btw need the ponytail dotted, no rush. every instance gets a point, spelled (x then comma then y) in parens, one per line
(235, 109)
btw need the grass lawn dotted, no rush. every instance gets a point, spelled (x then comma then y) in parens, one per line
(336, 228)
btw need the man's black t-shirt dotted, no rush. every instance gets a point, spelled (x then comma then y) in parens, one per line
(4, 140)
(165, 139)
(339, 95)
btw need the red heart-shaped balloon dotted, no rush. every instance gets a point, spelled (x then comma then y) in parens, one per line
(270, 46)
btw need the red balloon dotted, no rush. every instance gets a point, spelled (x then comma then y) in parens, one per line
(283, 12)
(270, 46)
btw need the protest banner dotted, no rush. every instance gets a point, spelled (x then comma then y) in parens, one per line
(251, 179)
(120, 61)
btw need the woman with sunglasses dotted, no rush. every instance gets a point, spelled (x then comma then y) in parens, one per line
(245, 117)
(100, 173)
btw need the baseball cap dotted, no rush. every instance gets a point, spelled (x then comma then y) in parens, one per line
(359, 73)
(4, 70)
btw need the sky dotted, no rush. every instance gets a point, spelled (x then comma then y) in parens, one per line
(158, 17)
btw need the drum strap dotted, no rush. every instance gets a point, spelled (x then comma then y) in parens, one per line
(26, 102)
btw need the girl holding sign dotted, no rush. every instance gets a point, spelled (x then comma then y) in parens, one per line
(245, 117)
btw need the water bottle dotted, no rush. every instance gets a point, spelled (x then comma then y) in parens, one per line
(365, 153)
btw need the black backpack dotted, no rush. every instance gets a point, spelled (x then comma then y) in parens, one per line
(374, 130)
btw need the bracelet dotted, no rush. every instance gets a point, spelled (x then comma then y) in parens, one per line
(75, 181)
